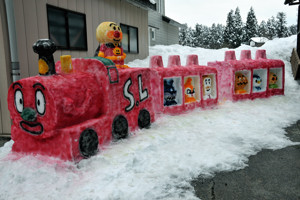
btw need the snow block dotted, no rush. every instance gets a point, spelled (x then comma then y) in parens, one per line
(174, 61)
(247, 78)
(156, 62)
(192, 60)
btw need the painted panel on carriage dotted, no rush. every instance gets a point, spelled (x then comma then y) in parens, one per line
(191, 89)
(275, 78)
(172, 91)
(260, 80)
(242, 82)
(209, 86)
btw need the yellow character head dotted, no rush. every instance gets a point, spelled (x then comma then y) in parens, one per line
(109, 32)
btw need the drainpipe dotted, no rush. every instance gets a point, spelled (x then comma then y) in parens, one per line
(15, 67)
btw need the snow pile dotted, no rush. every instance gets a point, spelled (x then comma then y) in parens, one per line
(159, 162)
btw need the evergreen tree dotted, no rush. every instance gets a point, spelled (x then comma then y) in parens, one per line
(201, 36)
(229, 30)
(186, 36)
(238, 28)
(182, 35)
(216, 40)
(293, 29)
(263, 29)
(251, 25)
(271, 24)
(281, 28)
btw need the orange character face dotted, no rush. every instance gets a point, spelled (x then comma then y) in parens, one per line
(241, 81)
(189, 91)
(117, 51)
(109, 32)
(272, 78)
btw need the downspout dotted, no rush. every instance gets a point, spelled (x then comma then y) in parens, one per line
(15, 67)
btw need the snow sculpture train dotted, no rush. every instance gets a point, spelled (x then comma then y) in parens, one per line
(87, 102)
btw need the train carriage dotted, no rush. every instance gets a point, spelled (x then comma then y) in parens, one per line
(183, 88)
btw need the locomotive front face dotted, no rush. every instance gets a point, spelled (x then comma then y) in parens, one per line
(29, 108)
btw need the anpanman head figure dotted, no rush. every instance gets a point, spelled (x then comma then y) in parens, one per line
(109, 32)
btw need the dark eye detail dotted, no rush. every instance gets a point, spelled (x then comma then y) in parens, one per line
(119, 28)
(40, 102)
(19, 102)
(114, 28)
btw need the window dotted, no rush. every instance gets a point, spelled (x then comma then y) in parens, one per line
(67, 28)
(130, 39)
(152, 33)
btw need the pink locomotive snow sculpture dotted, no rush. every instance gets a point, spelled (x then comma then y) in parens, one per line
(76, 106)
(247, 78)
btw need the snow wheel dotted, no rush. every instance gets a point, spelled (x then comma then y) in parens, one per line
(144, 119)
(88, 143)
(120, 127)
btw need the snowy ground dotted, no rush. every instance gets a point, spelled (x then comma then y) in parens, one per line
(158, 163)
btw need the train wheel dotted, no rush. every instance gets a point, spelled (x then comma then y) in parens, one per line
(88, 143)
(120, 127)
(144, 119)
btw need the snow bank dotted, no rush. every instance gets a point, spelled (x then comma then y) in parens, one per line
(158, 163)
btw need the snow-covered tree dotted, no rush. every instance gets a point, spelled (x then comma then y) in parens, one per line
(293, 29)
(271, 24)
(186, 36)
(251, 25)
(238, 28)
(201, 36)
(216, 39)
(229, 30)
(263, 29)
(281, 28)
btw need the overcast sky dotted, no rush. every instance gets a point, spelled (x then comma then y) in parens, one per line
(208, 12)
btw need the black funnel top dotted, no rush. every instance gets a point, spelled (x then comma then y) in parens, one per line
(45, 48)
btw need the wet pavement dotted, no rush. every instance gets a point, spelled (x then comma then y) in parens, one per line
(271, 175)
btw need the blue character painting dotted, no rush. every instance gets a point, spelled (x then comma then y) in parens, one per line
(257, 82)
(169, 93)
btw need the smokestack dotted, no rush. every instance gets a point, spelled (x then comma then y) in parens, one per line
(45, 48)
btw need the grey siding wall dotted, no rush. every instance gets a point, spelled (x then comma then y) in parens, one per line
(31, 24)
(5, 77)
(166, 34)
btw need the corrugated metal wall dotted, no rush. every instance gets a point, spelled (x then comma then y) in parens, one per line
(5, 77)
(166, 34)
(31, 24)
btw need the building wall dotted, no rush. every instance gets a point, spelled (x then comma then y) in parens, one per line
(5, 76)
(31, 24)
(165, 33)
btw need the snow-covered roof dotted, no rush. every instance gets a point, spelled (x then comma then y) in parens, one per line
(144, 4)
(259, 39)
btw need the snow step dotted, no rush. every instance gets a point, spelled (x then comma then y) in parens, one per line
(156, 62)
(192, 60)
(245, 55)
(229, 55)
(260, 54)
(174, 61)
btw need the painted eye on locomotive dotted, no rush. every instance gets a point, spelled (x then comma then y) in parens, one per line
(19, 101)
(40, 102)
